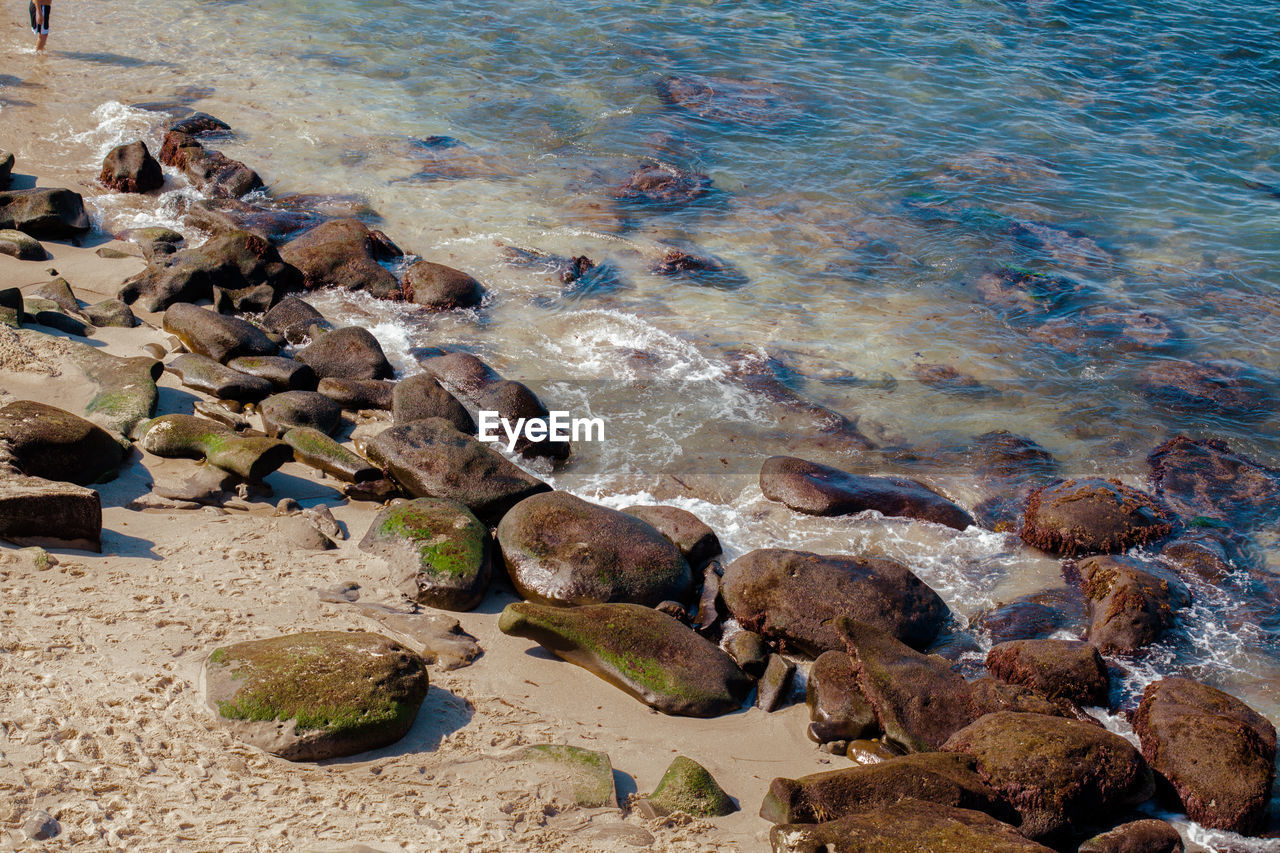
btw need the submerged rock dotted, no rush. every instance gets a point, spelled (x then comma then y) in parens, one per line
(723, 99)
(186, 436)
(1228, 389)
(130, 168)
(48, 442)
(687, 787)
(662, 185)
(648, 654)
(342, 253)
(1091, 516)
(44, 213)
(1059, 669)
(1033, 616)
(347, 353)
(440, 554)
(1129, 606)
(232, 261)
(1205, 477)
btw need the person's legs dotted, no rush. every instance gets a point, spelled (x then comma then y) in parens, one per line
(39, 25)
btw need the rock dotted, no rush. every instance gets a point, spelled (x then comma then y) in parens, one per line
(709, 614)
(935, 777)
(421, 396)
(821, 490)
(34, 511)
(154, 240)
(294, 319)
(1139, 836)
(111, 312)
(213, 172)
(1091, 516)
(1057, 773)
(22, 246)
(44, 312)
(341, 253)
(1101, 329)
(231, 261)
(48, 442)
(918, 700)
(297, 532)
(441, 288)
(560, 549)
(440, 554)
(431, 459)
(1214, 755)
(204, 374)
(662, 185)
(749, 651)
(1207, 478)
(1209, 553)
(316, 695)
(1224, 389)
(696, 541)
(126, 392)
(948, 380)
(199, 484)
(794, 597)
(837, 709)
(284, 411)
(346, 353)
(907, 826)
(723, 99)
(283, 373)
(199, 123)
(990, 696)
(130, 168)
(254, 299)
(46, 213)
(444, 643)
(586, 777)
(216, 336)
(643, 652)
(58, 292)
(316, 449)
(775, 684)
(697, 267)
(6, 169)
(1129, 607)
(1033, 616)
(189, 437)
(41, 826)
(359, 394)
(687, 787)
(1059, 669)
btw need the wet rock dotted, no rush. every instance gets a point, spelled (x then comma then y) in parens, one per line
(213, 172)
(130, 168)
(990, 696)
(421, 396)
(1024, 295)
(948, 380)
(687, 787)
(341, 253)
(189, 437)
(111, 312)
(232, 261)
(662, 185)
(1068, 246)
(645, 653)
(815, 489)
(1210, 554)
(41, 826)
(1033, 616)
(294, 319)
(44, 213)
(48, 442)
(316, 449)
(357, 394)
(22, 246)
(709, 614)
(1226, 389)
(316, 695)
(907, 826)
(282, 412)
(204, 374)
(298, 533)
(346, 353)
(696, 541)
(560, 549)
(1205, 477)
(1091, 516)
(1215, 755)
(775, 684)
(722, 99)
(1057, 773)
(216, 336)
(431, 459)
(1139, 836)
(794, 597)
(441, 288)
(35, 511)
(837, 709)
(1129, 606)
(284, 374)
(440, 554)
(749, 650)
(243, 300)
(1059, 669)
(699, 268)
(199, 123)
(1106, 329)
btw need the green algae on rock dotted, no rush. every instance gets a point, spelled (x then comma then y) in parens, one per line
(648, 654)
(312, 447)
(687, 787)
(439, 552)
(45, 441)
(587, 774)
(316, 695)
(252, 457)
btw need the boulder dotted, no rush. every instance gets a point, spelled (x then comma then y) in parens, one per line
(213, 172)
(648, 654)
(440, 554)
(254, 299)
(1139, 836)
(1057, 773)
(284, 411)
(186, 436)
(1129, 606)
(749, 650)
(822, 490)
(794, 597)
(1209, 553)
(206, 375)
(216, 336)
(45, 441)
(696, 541)
(312, 447)
(1206, 478)
(11, 307)
(774, 685)
(990, 695)
(346, 353)
(421, 396)
(441, 288)
(130, 168)
(294, 319)
(359, 394)
(199, 123)
(1059, 669)
(1033, 616)
(431, 459)
(24, 247)
(746, 103)
(111, 312)
(687, 787)
(315, 695)
(284, 374)
(1008, 466)
(1223, 389)
(1214, 755)
(560, 549)
(35, 511)
(1091, 516)
(45, 213)
(342, 253)
(837, 709)
(697, 267)
(231, 261)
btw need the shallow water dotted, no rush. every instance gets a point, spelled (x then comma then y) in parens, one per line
(912, 152)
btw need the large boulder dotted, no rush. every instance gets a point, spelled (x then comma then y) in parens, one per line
(1129, 606)
(440, 288)
(794, 597)
(232, 261)
(45, 441)
(837, 709)
(696, 541)
(1058, 669)
(1091, 516)
(1057, 773)
(130, 168)
(1205, 477)
(316, 695)
(440, 554)
(431, 459)
(560, 549)
(45, 213)
(208, 376)
(288, 409)
(422, 396)
(213, 172)
(342, 253)
(216, 336)
(822, 490)
(1214, 755)
(346, 353)
(186, 436)
(35, 511)
(646, 653)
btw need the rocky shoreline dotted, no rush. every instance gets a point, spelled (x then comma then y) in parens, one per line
(203, 404)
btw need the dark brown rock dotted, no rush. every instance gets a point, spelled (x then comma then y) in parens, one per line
(233, 261)
(216, 336)
(131, 169)
(1059, 669)
(341, 253)
(294, 319)
(440, 554)
(1139, 836)
(1226, 389)
(837, 708)
(35, 511)
(44, 213)
(441, 288)
(990, 696)
(696, 541)
(204, 374)
(213, 172)
(284, 374)
(775, 683)
(749, 650)
(1033, 616)
(662, 185)
(421, 396)
(346, 353)
(111, 312)
(282, 412)
(48, 442)
(1207, 478)
(199, 123)
(359, 394)
(1129, 606)
(1091, 516)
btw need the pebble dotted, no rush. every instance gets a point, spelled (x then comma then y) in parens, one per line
(41, 826)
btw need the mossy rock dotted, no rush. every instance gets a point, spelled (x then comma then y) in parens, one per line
(186, 436)
(312, 447)
(688, 787)
(45, 441)
(1091, 516)
(356, 394)
(202, 373)
(1206, 478)
(642, 651)
(1059, 669)
(1131, 605)
(111, 313)
(837, 708)
(696, 541)
(440, 553)
(586, 775)
(316, 695)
